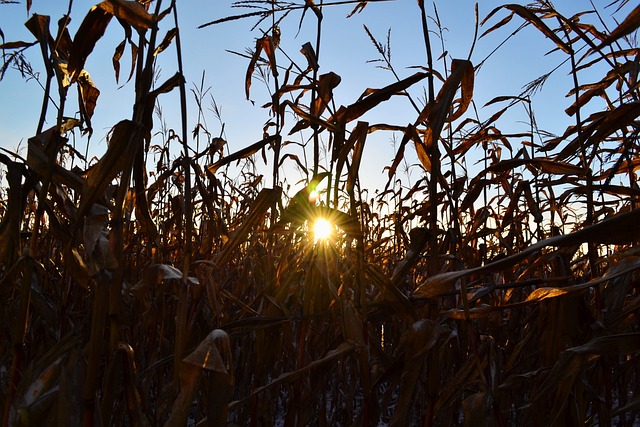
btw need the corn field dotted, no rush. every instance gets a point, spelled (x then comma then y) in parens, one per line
(168, 281)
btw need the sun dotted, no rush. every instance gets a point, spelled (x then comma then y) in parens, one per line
(322, 229)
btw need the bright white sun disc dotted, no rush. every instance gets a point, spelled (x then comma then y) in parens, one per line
(321, 229)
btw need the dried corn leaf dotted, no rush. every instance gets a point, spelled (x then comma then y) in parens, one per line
(477, 410)
(610, 345)
(10, 223)
(618, 229)
(533, 205)
(88, 94)
(420, 340)
(130, 11)
(340, 351)
(545, 165)
(326, 84)
(116, 59)
(118, 159)
(476, 187)
(171, 83)
(309, 53)
(166, 41)
(597, 89)
(360, 137)
(262, 44)
(212, 354)
(91, 30)
(628, 26)
(38, 25)
(410, 134)
(16, 45)
(266, 199)
(156, 274)
(39, 161)
(574, 361)
(437, 113)
(423, 155)
(530, 16)
(600, 127)
(462, 73)
(373, 97)
(243, 154)
(619, 270)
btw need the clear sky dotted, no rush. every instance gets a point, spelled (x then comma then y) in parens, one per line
(345, 50)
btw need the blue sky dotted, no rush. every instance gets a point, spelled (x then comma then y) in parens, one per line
(346, 50)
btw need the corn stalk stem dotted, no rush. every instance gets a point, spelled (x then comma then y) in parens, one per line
(592, 252)
(434, 153)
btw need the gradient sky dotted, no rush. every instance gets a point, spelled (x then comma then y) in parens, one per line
(346, 50)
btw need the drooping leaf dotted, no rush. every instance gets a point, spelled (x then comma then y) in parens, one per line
(477, 410)
(98, 253)
(309, 53)
(38, 25)
(464, 72)
(308, 119)
(116, 59)
(117, 159)
(410, 134)
(131, 12)
(571, 363)
(88, 95)
(599, 88)
(326, 84)
(533, 205)
(265, 44)
(212, 354)
(91, 30)
(40, 160)
(360, 138)
(437, 113)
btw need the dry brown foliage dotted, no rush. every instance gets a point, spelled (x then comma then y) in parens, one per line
(506, 297)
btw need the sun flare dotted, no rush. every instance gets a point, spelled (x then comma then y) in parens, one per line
(322, 229)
